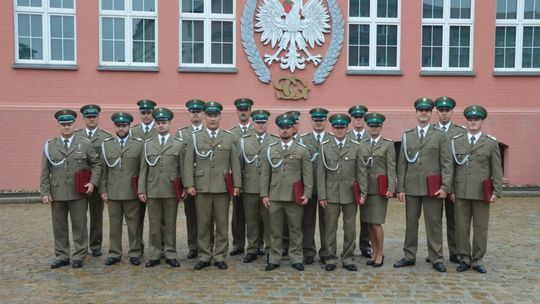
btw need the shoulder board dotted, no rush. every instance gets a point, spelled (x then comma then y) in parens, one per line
(460, 126)
(182, 128)
(491, 137)
(135, 125)
(355, 142)
(325, 142)
(457, 136)
(229, 131)
(271, 144)
(109, 138)
(348, 132)
(367, 139)
(436, 126)
(196, 131)
(305, 134)
(148, 139)
(137, 139)
(52, 139)
(106, 132)
(408, 130)
(246, 135)
(388, 139)
(84, 138)
(274, 135)
(332, 134)
(301, 144)
(179, 139)
(78, 130)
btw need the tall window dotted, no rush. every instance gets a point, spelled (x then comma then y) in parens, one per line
(373, 42)
(447, 35)
(128, 32)
(517, 35)
(45, 31)
(207, 33)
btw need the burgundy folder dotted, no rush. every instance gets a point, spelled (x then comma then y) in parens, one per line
(178, 188)
(433, 183)
(135, 185)
(82, 178)
(488, 190)
(357, 193)
(298, 188)
(382, 181)
(229, 183)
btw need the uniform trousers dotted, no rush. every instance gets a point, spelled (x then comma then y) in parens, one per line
(162, 211)
(255, 221)
(118, 210)
(212, 209)
(76, 209)
(331, 217)
(292, 213)
(478, 212)
(95, 207)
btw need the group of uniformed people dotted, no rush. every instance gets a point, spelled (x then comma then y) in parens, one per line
(277, 184)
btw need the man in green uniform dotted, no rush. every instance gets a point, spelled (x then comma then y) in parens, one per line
(211, 156)
(287, 164)
(313, 141)
(196, 113)
(477, 160)
(145, 130)
(424, 154)
(64, 157)
(96, 135)
(253, 150)
(161, 167)
(339, 166)
(121, 160)
(358, 134)
(444, 109)
(238, 225)
(296, 127)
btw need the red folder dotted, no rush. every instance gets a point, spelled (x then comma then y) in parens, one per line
(135, 185)
(433, 183)
(178, 188)
(356, 192)
(229, 183)
(382, 182)
(298, 189)
(488, 190)
(82, 178)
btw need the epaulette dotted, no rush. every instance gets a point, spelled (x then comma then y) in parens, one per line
(78, 130)
(197, 130)
(460, 126)
(108, 138)
(177, 138)
(301, 144)
(367, 139)
(355, 142)
(271, 144)
(135, 126)
(84, 138)
(246, 135)
(491, 137)
(52, 139)
(330, 133)
(388, 139)
(457, 136)
(137, 139)
(148, 139)
(325, 142)
(274, 135)
(348, 132)
(182, 128)
(105, 131)
(408, 130)
(230, 129)
(436, 127)
(305, 134)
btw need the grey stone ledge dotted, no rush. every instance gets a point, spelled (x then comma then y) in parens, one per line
(45, 66)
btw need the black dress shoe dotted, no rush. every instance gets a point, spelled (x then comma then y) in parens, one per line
(463, 266)
(298, 266)
(428, 260)
(236, 251)
(480, 269)
(404, 263)
(285, 252)
(270, 267)
(59, 263)
(96, 253)
(308, 260)
(111, 261)
(152, 263)
(260, 251)
(350, 267)
(221, 265)
(323, 259)
(439, 267)
(173, 262)
(201, 265)
(77, 264)
(370, 262)
(455, 259)
(135, 261)
(366, 253)
(250, 257)
(193, 253)
(330, 267)
(379, 264)
(162, 253)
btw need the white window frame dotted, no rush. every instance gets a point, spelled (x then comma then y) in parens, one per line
(46, 12)
(446, 22)
(128, 15)
(373, 21)
(519, 23)
(207, 17)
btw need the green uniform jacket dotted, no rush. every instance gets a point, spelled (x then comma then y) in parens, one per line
(160, 167)
(206, 164)
(453, 130)
(138, 132)
(434, 158)
(277, 183)
(119, 167)
(236, 130)
(58, 181)
(314, 147)
(379, 160)
(484, 162)
(253, 154)
(351, 136)
(97, 138)
(337, 170)
(185, 134)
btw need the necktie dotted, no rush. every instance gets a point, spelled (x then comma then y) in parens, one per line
(358, 136)
(260, 138)
(285, 148)
(146, 129)
(421, 135)
(473, 139)
(444, 128)
(90, 134)
(163, 141)
(244, 129)
(66, 143)
(213, 136)
(372, 143)
(121, 144)
(319, 138)
(340, 145)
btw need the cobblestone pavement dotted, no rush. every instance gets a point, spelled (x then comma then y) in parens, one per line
(513, 263)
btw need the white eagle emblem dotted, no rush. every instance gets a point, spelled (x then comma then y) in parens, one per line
(294, 25)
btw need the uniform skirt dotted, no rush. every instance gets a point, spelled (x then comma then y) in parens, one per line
(374, 210)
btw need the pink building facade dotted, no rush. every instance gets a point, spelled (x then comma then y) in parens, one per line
(66, 53)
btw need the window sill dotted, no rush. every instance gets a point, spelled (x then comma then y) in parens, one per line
(375, 72)
(448, 73)
(118, 68)
(207, 70)
(43, 66)
(515, 73)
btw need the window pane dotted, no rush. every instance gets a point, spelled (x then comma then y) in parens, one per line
(381, 8)
(150, 5)
(353, 55)
(116, 5)
(359, 8)
(106, 4)
(227, 32)
(392, 8)
(23, 23)
(391, 56)
(69, 49)
(119, 28)
(138, 5)
(387, 8)
(527, 58)
(25, 50)
(364, 34)
(56, 3)
(56, 49)
(364, 56)
(36, 26)
(364, 8)
(527, 36)
(227, 54)
(216, 7)
(187, 52)
(193, 6)
(107, 51)
(216, 32)
(432, 8)
(216, 53)
(138, 52)
(119, 51)
(107, 28)
(198, 53)
(33, 3)
(532, 9)
(138, 29)
(69, 26)
(56, 27)
(37, 48)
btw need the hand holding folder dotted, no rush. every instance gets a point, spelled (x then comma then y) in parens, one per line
(229, 183)
(82, 178)
(487, 186)
(178, 188)
(433, 183)
(135, 185)
(357, 193)
(298, 188)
